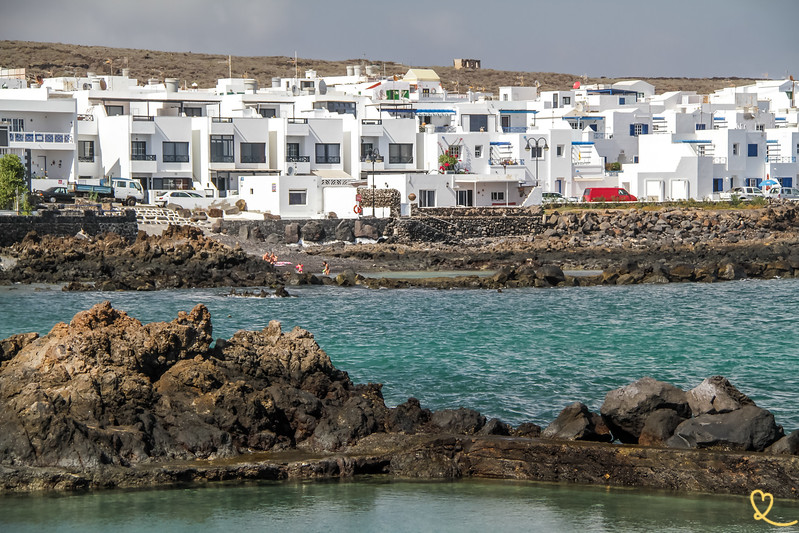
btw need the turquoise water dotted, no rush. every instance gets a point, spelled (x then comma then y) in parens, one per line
(519, 355)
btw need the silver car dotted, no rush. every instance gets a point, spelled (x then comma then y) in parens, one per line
(788, 193)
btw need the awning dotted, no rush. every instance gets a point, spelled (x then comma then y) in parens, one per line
(338, 174)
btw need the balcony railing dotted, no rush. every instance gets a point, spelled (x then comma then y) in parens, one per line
(176, 158)
(365, 159)
(86, 117)
(603, 135)
(298, 159)
(505, 161)
(330, 159)
(222, 159)
(780, 159)
(514, 129)
(297, 121)
(143, 118)
(223, 120)
(253, 159)
(143, 157)
(40, 137)
(445, 129)
(86, 158)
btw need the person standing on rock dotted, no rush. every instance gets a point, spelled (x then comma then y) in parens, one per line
(298, 268)
(326, 268)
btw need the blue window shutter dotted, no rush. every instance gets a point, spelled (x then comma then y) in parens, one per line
(632, 130)
(786, 182)
(752, 150)
(644, 129)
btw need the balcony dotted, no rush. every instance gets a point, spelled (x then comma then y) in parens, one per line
(142, 125)
(298, 159)
(39, 140)
(143, 163)
(505, 162)
(514, 129)
(371, 127)
(298, 127)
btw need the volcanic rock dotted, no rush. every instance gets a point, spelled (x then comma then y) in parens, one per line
(716, 395)
(749, 428)
(577, 422)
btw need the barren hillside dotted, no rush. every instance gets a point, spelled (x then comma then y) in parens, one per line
(57, 59)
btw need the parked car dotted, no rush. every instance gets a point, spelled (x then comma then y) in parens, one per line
(742, 193)
(53, 195)
(556, 198)
(170, 197)
(607, 194)
(788, 193)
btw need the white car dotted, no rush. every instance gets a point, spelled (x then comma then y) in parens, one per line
(556, 198)
(176, 197)
(788, 193)
(742, 193)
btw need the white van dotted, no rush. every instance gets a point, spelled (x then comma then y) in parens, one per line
(128, 191)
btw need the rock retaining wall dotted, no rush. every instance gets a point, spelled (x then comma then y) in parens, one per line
(290, 231)
(66, 224)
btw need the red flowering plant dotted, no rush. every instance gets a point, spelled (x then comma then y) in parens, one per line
(447, 162)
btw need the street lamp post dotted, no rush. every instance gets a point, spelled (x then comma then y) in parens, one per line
(535, 145)
(373, 156)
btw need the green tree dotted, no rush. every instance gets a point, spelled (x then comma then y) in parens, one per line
(12, 179)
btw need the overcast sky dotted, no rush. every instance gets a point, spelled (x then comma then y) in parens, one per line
(613, 38)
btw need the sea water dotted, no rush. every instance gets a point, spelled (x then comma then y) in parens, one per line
(519, 355)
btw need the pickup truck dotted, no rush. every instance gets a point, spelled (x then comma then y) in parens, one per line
(742, 193)
(125, 190)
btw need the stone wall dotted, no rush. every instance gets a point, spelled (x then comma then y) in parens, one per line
(382, 198)
(13, 228)
(290, 231)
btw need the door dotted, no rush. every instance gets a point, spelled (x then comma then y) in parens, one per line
(679, 189)
(466, 198)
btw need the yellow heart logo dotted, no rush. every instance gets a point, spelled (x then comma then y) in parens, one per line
(765, 496)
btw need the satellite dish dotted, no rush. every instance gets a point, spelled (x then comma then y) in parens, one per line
(290, 171)
(294, 90)
(576, 85)
(322, 87)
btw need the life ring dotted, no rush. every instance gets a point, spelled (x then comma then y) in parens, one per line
(357, 209)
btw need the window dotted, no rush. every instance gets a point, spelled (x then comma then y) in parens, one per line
(736, 148)
(86, 151)
(478, 151)
(536, 152)
(425, 92)
(752, 150)
(253, 152)
(454, 150)
(718, 184)
(193, 111)
(478, 122)
(466, 198)
(17, 124)
(567, 100)
(700, 127)
(268, 112)
(328, 153)
(427, 198)
(337, 107)
(498, 196)
(638, 129)
(172, 184)
(138, 151)
(221, 148)
(622, 100)
(292, 152)
(559, 150)
(175, 152)
(366, 150)
(427, 119)
(761, 127)
(298, 196)
(400, 153)
(113, 110)
(392, 94)
(504, 121)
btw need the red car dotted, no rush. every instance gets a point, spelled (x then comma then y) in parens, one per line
(608, 194)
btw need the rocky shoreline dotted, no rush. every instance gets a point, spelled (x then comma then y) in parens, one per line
(106, 401)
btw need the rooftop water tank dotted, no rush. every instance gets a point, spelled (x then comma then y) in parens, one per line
(96, 86)
(356, 70)
(126, 72)
(349, 70)
(310, 73)
(171, 85)
(276, 83)
(153, 81)
(372, 70)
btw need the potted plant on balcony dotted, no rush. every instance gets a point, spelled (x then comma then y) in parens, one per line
(447, 162)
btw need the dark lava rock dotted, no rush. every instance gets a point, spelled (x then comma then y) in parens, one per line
(716, 395)
(495, 426)
(366, 231)
(659, 426)
(528, 430)
(576, 422)
(344, 232)
(291, 233)
(626, 409)
(313, 231)
(788, 445)
(749, 428)
(461, 421)
(408, 417)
